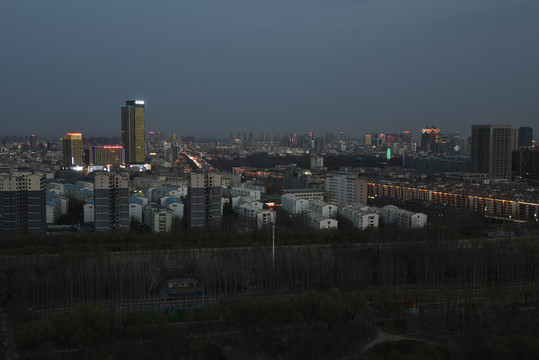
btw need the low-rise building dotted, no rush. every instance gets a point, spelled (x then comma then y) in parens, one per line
(320, 222)
(89, 212)
(360, 216)
(323, 208)
(135, 209)
(174, 204)
(158, 219)
(254, 214)
(307, 194)
(239, 191)
(292, 204)
(403, 218)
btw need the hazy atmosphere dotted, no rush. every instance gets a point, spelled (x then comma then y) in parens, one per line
(207, 68)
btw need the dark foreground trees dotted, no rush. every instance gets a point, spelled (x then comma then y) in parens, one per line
(311, 325)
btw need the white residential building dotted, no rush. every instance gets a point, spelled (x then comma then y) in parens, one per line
(292, 204)
(157, 218)
(319, 222)
(89, 212)
(260, 186)
(254, 215)
(180, 191)
(155, 194)
(239, 191)
(360, 216)
(323, 208)
(342, 189)
(135, 211)
(307, 194)
(174, 204)
(407, 219)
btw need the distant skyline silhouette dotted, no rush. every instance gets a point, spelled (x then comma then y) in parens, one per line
(208, 68)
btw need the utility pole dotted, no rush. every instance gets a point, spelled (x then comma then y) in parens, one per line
(273, 245)
(273, 241)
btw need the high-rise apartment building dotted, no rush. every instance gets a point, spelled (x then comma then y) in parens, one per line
(525, 137)
(107, 155)
(492, 147)
(342, 189)
(204, 195)
(72, 149)
(111, 202)
(22, 203)
(133, 133)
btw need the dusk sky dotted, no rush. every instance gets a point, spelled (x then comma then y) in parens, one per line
(206, 68)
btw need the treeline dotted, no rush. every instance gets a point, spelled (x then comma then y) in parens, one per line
(41, 280)
(311, 325)
(332, 162)
(289, 231)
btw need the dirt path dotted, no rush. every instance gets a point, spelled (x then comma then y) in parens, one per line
(382, 336)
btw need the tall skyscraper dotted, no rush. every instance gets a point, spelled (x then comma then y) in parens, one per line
(133, 131)
(492, 146)
(525, 137)
(22, 203)
(111, 202)
(204, 194)
(72, 149)
(33, 142)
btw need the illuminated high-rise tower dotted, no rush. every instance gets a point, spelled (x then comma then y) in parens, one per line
(72, 149)
(133, 131)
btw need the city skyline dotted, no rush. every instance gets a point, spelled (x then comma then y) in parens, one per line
(208, 69)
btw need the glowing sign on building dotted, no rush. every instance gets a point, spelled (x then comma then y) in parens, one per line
(388, 153)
